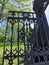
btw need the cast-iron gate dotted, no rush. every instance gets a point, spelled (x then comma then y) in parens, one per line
(26, 41)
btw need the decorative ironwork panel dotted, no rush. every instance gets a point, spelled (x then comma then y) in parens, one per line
(28, 42)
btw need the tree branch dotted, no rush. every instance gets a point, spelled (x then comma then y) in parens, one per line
(3, 18)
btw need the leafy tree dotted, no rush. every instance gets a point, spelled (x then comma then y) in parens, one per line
(6, 5)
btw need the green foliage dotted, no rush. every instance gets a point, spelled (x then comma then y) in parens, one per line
(1, 35)
(1, 38)
(1, 1)
(9, 6)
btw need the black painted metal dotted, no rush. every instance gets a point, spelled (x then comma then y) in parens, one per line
(35, 49)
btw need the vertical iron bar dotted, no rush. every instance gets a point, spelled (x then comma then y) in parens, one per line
(36, 36)
(24, 45)
(41, 38)
(27, 35)
(45, 32)
(11, 43)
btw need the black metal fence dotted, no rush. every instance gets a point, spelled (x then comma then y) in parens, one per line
(31, 46)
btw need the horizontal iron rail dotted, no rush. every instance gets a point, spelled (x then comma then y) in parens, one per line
(23, 18)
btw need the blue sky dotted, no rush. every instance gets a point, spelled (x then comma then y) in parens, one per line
(3, 25)
(47, 14)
